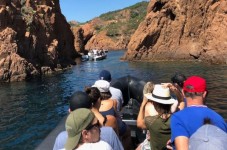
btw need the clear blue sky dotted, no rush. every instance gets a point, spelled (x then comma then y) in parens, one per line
(85, 10)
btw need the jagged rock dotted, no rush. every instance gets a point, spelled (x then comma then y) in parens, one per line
(181, 30)
(33, 35)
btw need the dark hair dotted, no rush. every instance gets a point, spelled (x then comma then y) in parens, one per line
(93, 93)
(105, 95)
(207, 121)
(162, 109)
(193, 94)
(79, 99)
(179, 79)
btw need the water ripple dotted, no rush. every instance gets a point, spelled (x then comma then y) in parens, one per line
(30, 110)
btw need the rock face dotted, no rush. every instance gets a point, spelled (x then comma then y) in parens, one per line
(181, 30)
(35, 39)
(87, 37)
(111, 31)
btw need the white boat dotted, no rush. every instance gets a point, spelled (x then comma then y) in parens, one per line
(97, 55)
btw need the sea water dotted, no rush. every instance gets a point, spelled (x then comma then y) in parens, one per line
(30, 110)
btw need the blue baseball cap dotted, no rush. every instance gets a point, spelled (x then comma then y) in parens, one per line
(105, 75)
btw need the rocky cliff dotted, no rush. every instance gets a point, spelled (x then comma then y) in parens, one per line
(111, 31)
(35, 39)
(181, 30)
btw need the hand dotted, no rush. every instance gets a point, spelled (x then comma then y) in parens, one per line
(169, 85)
(168, 145)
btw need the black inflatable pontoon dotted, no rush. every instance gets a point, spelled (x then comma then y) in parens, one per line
(132, 90)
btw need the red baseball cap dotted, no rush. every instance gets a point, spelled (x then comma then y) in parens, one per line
(195, 84)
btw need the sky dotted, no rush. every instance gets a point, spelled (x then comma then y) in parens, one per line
(85, 10)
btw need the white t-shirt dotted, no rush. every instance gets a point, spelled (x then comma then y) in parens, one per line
(117, 94)
(101, 145)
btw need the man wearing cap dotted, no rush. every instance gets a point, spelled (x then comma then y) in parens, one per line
(185, 122)
(83, 131)
(81, 100)
(116, 93)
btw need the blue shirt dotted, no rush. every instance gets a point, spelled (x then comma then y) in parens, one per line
(107, 134)
(188, 120)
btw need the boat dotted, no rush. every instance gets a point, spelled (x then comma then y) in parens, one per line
(132, 89)
(97, 55)
(84, 58)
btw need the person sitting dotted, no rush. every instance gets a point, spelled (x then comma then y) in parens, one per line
(116, 93)
(178, 81)
(208, 137)
(185, 122)
(158, 119)
(145, 145)
(83, 131)
(108, 108)
(94, 95)
(78, 100)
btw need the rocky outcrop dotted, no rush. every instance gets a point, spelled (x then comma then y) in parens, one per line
(111, 31)
(181, 30)
(87, 38)
(35, 39)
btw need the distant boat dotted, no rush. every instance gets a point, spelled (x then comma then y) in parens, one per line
(97, 55)
(84, 58)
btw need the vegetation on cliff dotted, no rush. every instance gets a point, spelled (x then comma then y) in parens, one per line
(111, 30)
(123, 22)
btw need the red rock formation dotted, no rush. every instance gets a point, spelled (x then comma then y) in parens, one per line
(181, 30)
(35, 39)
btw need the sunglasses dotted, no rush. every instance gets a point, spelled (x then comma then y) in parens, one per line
(89, 127)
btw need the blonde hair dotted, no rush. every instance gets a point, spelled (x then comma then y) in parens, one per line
(148, 87)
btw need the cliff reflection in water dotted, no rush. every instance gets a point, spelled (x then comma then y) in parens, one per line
(30, 110)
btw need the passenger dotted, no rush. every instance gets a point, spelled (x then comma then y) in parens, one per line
(116, 93)
(108, 107)
(178, 81)
(81, 100)
(158, 119)
(94, 95)
(185, 122)
(83, 131)
(208, 137)
(145, 145)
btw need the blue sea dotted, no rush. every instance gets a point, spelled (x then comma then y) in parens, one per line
(30, 110)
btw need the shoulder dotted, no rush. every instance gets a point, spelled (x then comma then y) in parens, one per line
(103, 143)
(107, 129)
(115, 89)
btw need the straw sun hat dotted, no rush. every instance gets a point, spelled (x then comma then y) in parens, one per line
(160, 94)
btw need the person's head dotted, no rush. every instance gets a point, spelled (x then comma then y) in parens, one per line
(161, 99)
(82, 127)
(148, 87)
(105, 75)
(178, 79)
(79, 99)
(195, 86)
(94, 95)
(208, 137)
(104, 88)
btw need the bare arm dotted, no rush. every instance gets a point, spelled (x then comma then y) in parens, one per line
(178, 94)
(181, 143)
(140, 118)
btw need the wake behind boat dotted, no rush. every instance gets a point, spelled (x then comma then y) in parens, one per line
(97, 54)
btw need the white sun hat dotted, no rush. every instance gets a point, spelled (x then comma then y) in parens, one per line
(161, 95)
(102, 85)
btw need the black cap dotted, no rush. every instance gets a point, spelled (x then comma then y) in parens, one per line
(79, 99)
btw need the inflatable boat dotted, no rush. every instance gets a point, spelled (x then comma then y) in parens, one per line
(132, 90)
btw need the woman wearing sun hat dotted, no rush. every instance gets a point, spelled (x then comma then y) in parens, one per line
(158, 120)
